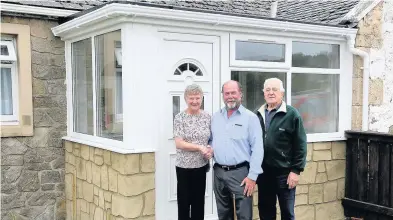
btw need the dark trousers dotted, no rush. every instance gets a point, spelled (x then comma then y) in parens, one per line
(271, 187)
(191, 186)
(226, 186)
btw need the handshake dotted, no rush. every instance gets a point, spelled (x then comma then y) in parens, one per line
(206, 151)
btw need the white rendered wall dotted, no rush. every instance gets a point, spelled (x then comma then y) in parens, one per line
(381, 116)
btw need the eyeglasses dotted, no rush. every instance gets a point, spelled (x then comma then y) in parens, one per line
(274, 89)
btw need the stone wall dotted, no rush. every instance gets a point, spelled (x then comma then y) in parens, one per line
(375, 36)
(32, 168)
(321, 186)
(103, 185)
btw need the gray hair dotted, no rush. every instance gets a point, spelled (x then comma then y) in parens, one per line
(193, 89)
(272, 80)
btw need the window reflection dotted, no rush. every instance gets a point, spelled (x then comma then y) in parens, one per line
(252, 83)
(316, 98)
(175, 106)
(109, 85)
(260, 51)
(82, 87)
(313, 55)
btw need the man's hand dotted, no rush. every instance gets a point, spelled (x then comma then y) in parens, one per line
(249, 188)
(204, 150)
(209, 152)
(292, 180)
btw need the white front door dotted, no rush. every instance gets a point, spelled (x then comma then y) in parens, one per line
(185, 59)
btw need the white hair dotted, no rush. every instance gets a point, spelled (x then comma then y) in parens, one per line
(276, 80)
(193, 89)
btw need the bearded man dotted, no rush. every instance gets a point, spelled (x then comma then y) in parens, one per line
(238, 154)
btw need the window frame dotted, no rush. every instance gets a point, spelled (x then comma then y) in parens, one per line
(21, 124)
(118, 55)
(10, 44)
(118, 116)
(344, 71)
(93, 140)
(262, 39)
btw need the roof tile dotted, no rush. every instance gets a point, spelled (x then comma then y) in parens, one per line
(316, 11)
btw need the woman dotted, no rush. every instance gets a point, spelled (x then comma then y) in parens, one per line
(192, 132)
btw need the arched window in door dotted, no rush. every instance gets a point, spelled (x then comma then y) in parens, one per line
(188, 67)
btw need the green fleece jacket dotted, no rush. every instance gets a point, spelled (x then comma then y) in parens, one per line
(285, 142)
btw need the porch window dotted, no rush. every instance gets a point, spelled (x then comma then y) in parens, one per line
(82, 87)
(313, 83)
(260, 51)
(316, 55)
(97, 86)
(109, 85)
(316, 98)
(252, 83)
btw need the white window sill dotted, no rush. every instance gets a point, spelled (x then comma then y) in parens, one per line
(9, 123)
(107, 146)
(324, 137)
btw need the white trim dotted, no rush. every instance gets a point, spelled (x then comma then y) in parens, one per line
(259, 69)
(118, 116)
(322, 137)
(94, 81)
(68, 57)
(27, 9)
(358, 12)
(261, 39)
(215, 21)
(118, 55)
(11, 51)
(315, 70)
(106, 145)
(288, 89)
(14, 118)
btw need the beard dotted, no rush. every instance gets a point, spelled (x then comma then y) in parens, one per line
(233, 104)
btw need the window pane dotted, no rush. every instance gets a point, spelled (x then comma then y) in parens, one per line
(252, 83)
(175, 106)
(82, 87)
(6, 92)
(315, 55)
(4, 50)
(109, 86)
(316, 98)
(259, 51)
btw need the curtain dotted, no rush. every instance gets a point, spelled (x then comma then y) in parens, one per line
(6, 92)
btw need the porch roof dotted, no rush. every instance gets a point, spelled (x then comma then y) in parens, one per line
(305, 11)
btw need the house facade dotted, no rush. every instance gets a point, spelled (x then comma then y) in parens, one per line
(32, 153)
(82, 158)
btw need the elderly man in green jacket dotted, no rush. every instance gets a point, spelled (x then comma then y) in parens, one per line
(285, 147)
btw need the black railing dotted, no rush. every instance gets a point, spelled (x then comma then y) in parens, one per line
(369, 176)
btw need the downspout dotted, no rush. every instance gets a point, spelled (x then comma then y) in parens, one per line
(273, 9)
(366, 75)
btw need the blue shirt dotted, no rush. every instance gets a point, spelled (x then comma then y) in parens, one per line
(237, 139)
